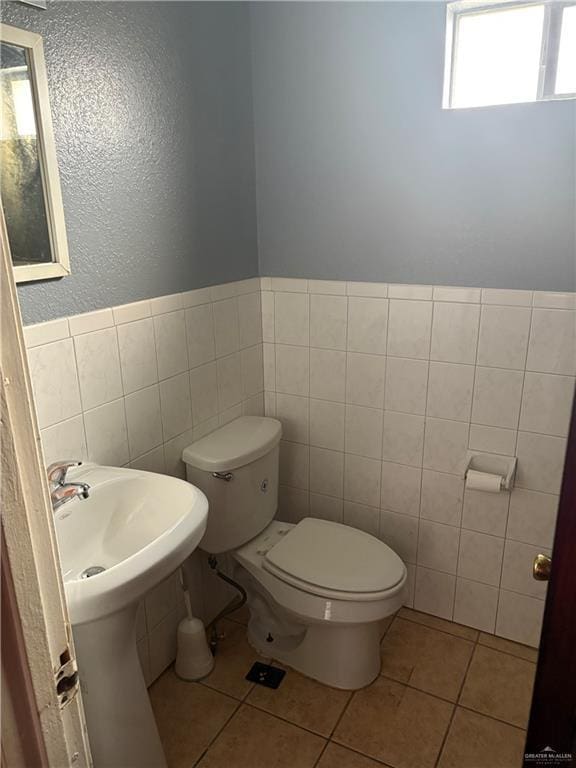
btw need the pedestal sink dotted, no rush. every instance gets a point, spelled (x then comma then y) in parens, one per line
(134, 530)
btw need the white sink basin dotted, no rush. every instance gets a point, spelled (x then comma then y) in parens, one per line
(138, 527)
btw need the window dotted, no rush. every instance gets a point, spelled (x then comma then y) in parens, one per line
(509, 52)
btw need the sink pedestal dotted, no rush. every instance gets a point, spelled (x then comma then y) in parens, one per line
(121, 725)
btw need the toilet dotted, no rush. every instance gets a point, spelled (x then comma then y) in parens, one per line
(318, 590)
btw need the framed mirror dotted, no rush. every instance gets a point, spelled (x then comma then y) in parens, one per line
(29, 181)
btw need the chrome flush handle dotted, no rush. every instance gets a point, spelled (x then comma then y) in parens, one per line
(227, 476)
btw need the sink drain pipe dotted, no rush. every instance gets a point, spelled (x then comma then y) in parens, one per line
(237, 603)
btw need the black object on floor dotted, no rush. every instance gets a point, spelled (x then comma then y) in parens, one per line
(266, 675)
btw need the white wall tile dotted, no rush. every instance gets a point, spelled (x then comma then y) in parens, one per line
(367, 324)
(328, 321)
(327, 425)
(451, 293)
(250, 285)
(506, 297)
(175, 405)
(360, 516)
(540, 462)
(173, 452)
(532, 517)
(230, 414)
(162, 304)
(403, 438)
(254, 405)
(409, 326)
(153, 461)
(293, 504)
(200, 334)
(554, 300)
(65, 440)
(399, 291)
(455, 332)
(269, 364)
(55, 382)
(442, 497)
(229, 376)
(400, 533)
(268, 316)
(497, 397)
(137, 355)
(410, 587)
(226, 336)
(143, 421)
(365, 379)
(547, 403)
(204, 392)
(362, 480)
(223, 291)
(504, 336)
(519, 618)
(162, 644)
(450, 387)
(406, 385)
(91, 321)
(401, 488)
(552, 346)
(327, 472)
(475, 605)
(45, 333)
(485, 512)
(293, 412)
(327, 374)
(438, 546)
(106, 434)
(292, 370)
(291, 284)
(294, 464)
(326, 507)
(517, 569)
(363, 431)
(445, 445)
(292, 318)
(252, 370)
(492, 439)
(434, 592)
(328, 287)
(171, 344)
(250, 323)
(129, 313)
(374, 290)
(98, 363)
(480, 557)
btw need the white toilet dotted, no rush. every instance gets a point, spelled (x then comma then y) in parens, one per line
(318, 590)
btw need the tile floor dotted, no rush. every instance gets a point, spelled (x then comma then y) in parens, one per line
(448, 697)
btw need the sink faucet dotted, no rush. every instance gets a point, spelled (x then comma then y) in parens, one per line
(60, 490)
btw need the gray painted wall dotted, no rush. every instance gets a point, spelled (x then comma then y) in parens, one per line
(361, 175)
(152, 114)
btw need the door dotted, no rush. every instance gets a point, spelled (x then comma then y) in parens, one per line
(551, 739)
(41, 700)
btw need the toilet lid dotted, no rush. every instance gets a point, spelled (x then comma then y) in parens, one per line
(335, 557)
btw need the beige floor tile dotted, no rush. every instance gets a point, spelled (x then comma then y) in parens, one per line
(303, 702)
(254, 739)
(436, 623)
(432, 661)
(508, 646)
(189, 716)
(234, 658)
(475, 741)
(398, 725)
(499, 685)
(335, 756)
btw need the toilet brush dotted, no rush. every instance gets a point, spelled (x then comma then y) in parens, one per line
(193, 657)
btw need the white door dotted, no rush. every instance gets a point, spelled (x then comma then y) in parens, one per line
(42, 706)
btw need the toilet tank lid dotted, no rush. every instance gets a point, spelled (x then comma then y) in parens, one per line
(237, 443)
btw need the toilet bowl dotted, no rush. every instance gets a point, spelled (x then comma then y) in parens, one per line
(318, 590)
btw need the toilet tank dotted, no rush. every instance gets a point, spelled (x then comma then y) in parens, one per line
(236, 466)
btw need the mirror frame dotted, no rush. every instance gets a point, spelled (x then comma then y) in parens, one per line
(60, 264)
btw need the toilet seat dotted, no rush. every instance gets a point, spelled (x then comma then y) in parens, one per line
(335, 561)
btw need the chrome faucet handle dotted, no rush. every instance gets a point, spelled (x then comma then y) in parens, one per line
(57, 471)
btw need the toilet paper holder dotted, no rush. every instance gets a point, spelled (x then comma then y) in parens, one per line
(493, 464)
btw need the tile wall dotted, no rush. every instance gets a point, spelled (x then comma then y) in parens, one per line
(384, 392)
(134, 385)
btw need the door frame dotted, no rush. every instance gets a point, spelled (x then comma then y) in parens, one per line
(552, 724)
(42, 647)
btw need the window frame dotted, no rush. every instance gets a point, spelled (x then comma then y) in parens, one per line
(549, 49)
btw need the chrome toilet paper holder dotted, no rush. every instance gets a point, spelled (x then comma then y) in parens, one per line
(494, 464)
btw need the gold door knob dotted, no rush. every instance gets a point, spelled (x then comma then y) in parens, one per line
(541, 567)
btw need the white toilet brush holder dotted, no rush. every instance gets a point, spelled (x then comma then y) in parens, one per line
(193, 657)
